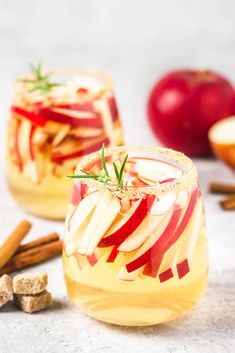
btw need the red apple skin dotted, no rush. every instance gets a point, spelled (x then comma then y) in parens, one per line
(184, 104)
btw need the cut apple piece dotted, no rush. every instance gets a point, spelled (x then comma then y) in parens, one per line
(85, 133)
(222, 139)
(113, 108)
(131, 224)
(148, 244)
(101, 105)
(113, 254)
(78, 192)
(104, 214)
(71, 243)
(124, 275)
(81, 107)
(154, 170)
(17, 150)
(80, 151)
(164, 204)
(74, 118)
(159, 246)
(83, 210)
(139, 236)
(176, 240)
(34, 118)
(187, 248)
(61, 135)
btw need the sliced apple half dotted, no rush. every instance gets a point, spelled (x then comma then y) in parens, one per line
(106, 211)
(222, 139)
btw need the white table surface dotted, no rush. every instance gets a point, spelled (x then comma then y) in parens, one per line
(135, 41)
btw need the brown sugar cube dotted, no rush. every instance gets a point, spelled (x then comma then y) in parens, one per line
(29, 283)
(5, 289)
(32, 303)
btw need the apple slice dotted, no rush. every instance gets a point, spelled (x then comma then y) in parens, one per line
(159, 246)
(104, 215)
(63, 132)
(78, 192)
(80, 151)
(125, 274)
(72, 117)
(139, 236)
(113, 108)
(85, 133)
(81, 107)
(101, 105)
(154, 170)
(83, 210)
(186, 252)
(17, 150)
(164, 204)
(165, 243)
(222, 139)
(118, 236)
(71, 243)
(34, 118)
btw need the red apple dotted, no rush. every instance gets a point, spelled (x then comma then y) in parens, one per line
(184, 104)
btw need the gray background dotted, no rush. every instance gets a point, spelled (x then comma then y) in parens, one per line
(136, 42)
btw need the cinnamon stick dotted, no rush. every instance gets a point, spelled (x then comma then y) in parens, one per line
(222, 188)
(33, 256)
(12, 243)
(41, 241)
(228, 203)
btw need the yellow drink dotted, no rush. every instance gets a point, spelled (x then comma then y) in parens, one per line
(134, 286)
(49, 132)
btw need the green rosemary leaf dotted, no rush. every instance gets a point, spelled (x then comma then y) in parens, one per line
(83, 176)
(122, 170)
(116, 171)
(103, 161)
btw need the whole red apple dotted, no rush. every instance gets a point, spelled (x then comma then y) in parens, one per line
(184, 104)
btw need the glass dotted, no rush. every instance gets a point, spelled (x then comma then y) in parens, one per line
(136, 254)
(49, 132)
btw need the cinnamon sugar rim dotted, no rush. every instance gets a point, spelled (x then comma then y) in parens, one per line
(184, 182)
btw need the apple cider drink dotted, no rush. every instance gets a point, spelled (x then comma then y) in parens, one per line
(135, 249)
(55, 120)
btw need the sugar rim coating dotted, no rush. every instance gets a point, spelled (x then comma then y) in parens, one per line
(186, 181)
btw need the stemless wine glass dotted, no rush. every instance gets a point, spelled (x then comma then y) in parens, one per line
(135, 249)
(56, 118)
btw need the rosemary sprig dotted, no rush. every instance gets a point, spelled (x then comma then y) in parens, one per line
(39, 82)
(104, 176)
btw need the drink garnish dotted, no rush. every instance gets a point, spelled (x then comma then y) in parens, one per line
(39, 82)
(104, 176)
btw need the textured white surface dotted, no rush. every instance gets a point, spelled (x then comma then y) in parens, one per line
(135, 41)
